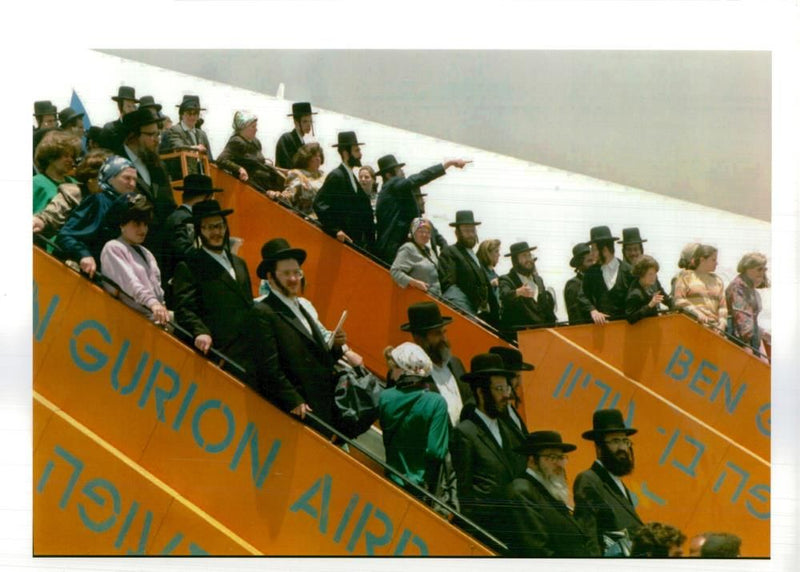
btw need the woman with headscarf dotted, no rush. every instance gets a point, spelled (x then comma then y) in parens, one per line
(86, 231)
(744, 302)
(242, 157)
(416, 264)
(128, 263)
(700, 292)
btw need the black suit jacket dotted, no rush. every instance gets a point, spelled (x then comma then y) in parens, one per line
(595, 295)
(519, 312)
(177, 241)
(176, 137)
(397, 207)
(576, 314)
(456, 266)
(113, 136)
(539, 525)
(287, 146)
(637, 300)
(600, 506)
(341, 207)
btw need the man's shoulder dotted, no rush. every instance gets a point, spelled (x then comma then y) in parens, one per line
(589, 477)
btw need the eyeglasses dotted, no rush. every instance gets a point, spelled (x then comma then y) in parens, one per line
(502, 388)
(555, 458)
(290, 273)
(215, 226)
(149, 133)
(619, 442)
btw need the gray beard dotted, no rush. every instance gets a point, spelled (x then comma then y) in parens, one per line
(556, 485)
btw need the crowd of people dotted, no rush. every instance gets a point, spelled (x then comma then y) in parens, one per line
(107, 203)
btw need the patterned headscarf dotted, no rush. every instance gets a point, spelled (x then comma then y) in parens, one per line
(110, 168)
(242, 118)
(412, 359)
(417, 223)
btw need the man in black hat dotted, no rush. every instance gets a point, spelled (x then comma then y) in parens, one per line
(512, 360)
(71, 121)
(186, 133)
(482, 444)
(291, 141)
(428, 328)
(540, 521)
(605, 284)
(342, 206)
(463, 281)
(582, 259)
(45, 114)
(523, 296)
(632, 245)
(212, 294)
(94, 138)
(178, 237)
(297, 367)
(397, 205)
(114, 131)
(603, 504)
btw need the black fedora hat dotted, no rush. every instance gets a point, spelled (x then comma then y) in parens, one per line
(207, 209)
(464, 217)
(148, 101)
(45, 107)
(607, 421)
(599, 233)
(278, 249)
(578, 252)
(125, 92)
(631, 236)
(424, 316)
(141, 117)
(94, 133)
(483, 366)
(519, 248)
(301, 108)
(190, 102)
(538, 440)
(512, 358)
(387, 163)
(347, 139)
(196, 184)
(67, 115)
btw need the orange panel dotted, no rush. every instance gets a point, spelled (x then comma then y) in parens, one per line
(687, 473)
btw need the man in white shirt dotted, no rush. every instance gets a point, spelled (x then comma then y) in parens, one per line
(605, 285)
(186, 133)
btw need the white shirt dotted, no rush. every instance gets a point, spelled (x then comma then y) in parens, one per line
(352, 177)
(617, 480)
(529, 281)
(294, 305)
(610, 271)
(514, 417)
(492, 424)
(448, 388)
(191, 131)
(141, 168)
(223, 260)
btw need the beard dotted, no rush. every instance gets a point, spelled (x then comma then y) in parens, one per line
(467, 242)
(440, 353)
(490, 407)
(618, 464)
(353, 162)
(523, 270)
(149, 158)
(556, 485)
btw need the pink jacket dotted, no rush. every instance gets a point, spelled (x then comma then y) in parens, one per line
(122, 264)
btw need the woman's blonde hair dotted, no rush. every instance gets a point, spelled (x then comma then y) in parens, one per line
(484, 248)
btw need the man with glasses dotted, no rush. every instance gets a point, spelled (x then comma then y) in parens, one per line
(603, 504)
(539, 518)
(482, 443)
(187, 132)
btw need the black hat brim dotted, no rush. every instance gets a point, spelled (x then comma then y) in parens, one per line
(223, 212)
(594, 433)
(301, 114)
(407, 327)
(624, 242)
(476, 223)
(350, 144)
(484, 373)
(521, 251)
(527, 450)
(290, 253)
(118, 98)
(390, 167)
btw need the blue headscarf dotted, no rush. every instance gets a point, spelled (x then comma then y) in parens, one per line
(110, 169)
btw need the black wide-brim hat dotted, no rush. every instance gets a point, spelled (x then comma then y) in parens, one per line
(149, 101)
(209, 208)
(599, 233)
(607, 421)
(579, 251)
(512, 358)
(631, 236)
(125, 92)
(464, 217)
(141, 117)
(301, 108)
(278, 249)
(94, 133)
(387, 163)
(347, 139)
(68, 114)
(195, 184)
(190, 102)
(483, 366)
(44, 108)
(424, 316)
(519, 248)
(538, 440)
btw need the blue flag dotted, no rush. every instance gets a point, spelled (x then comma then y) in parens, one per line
(75, 103)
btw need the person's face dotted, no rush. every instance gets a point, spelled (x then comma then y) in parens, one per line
(125, 181)
(649, 278)
(494, 255)
(616, 453)
(212, 232)
(315, 162)
(134, 231)
(288, 277)
(632, 252)
(708, 264)
(304, 123)
(190, 117)
(148, 137)
(47, 121)
(435, 344)
(588, 260)
(366, 180)
(675, 551)
(553, 463)
(756, 275)
(468, 235)
(525, 260)
(128, 105)
(64, 164)
(249, 131)
(500, 392)
(695, 545)
(77, 129)
(422, 235)
(355, 152)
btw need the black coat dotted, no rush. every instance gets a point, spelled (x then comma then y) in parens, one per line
(239, 152)
(519, 312)
(113, 135)
(397, 207)
(339, 206)
(456, 266)
(575, 313)
(600, 505)
(177, 241)
(287, 146)
(539, 525)
(595, 295)
(636, 303)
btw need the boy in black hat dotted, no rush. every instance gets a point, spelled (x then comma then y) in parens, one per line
(606, 283)
(603, 504)
(289, 143)
(187, 133)
(523, 296)
(45, 114)
(397, 205)
(582, 259)
(463, 281)
(540, 522)
(113, 131)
